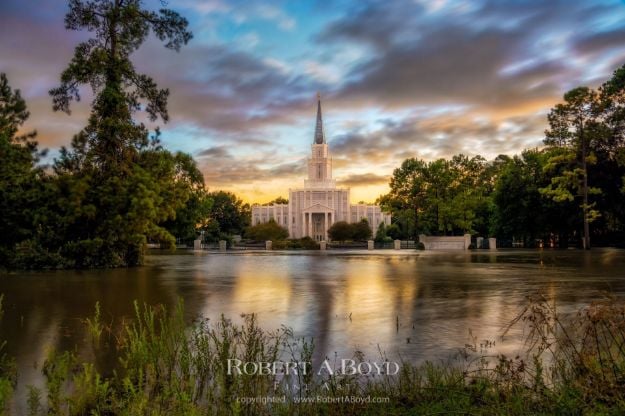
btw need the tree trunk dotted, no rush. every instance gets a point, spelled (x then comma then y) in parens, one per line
(586, 237)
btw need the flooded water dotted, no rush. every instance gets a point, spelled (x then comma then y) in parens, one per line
(411, 305)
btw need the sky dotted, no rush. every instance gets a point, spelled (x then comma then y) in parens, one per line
(398, 79)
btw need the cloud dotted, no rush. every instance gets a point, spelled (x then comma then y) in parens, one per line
(364, 179)
(457, 55)
(227, 91)
(594, 43)
(214, 152)
(284, 21)
(423, 79)
(440, 136)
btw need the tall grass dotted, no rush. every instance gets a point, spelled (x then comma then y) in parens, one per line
(574, 364)
(8, 372)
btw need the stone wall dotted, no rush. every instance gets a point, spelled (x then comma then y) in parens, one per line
(446, 242)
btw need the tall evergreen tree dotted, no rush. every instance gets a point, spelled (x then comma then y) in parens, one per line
(574, 127)
(116, 185)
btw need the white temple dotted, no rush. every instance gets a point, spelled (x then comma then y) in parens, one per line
(319, 204)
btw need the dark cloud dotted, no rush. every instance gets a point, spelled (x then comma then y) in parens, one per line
(466, 54)
(597, 42)
(217, 151)
(227, 91)
(289, 169)
(438, 136)
(363, 179)
(222, 169)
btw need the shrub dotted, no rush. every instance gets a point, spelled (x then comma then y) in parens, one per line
(361, 230)
(305, 243)
(341, 231)
(267, 231)
(309, 244)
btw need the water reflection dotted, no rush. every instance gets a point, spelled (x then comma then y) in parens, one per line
(417, 305)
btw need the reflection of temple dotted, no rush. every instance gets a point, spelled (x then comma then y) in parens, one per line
(319, 204)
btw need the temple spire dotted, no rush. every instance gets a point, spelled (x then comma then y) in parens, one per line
(319, 136)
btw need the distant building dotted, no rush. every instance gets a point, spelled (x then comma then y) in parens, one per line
(319, 204)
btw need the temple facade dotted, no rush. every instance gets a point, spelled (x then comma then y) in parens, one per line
(313, 208)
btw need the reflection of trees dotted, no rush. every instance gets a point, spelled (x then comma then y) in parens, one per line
(321, 282)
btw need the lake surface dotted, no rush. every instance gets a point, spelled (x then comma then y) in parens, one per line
(408, 304)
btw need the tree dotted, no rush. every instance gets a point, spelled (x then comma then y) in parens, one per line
(402, 217)
(380, 234)
(118, 185)
(521, 211)
(361, 230)
(194, 216)
(340, 231)
(393, 232)
(574, 126)
(609, 172)
(229, 215)
(267, 231)
(19, 176)
(440, 197)
(408, 189)
(103, 62)
(279, 200)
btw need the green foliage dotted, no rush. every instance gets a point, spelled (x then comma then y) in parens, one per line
(20, 179)
(305, 243)
(194, 216)
(393, 232)
(521, 210)
(386, 234)
(114, 189)
(340, 231)
(343, 231)
(380, 234)
(361, 230)
(441, 197)
(228, 216)
(266, 231)
(574, 126)
(8, 371)
(279, 201)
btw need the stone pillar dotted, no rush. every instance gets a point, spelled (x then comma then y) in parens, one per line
(197, 244)
(370, 245)
(492, 243)
(222, 245)
(268, 245)
(397, 244)
(310, 224)
(322, 245)
(303, 233)
(467, 241)
(326, 223)
(480, 242)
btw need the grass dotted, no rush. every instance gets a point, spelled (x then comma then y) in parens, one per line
(575, 364)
